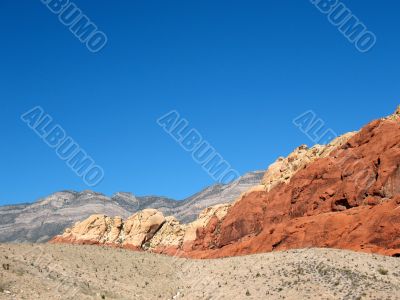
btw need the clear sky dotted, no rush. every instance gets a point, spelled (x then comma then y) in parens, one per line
(238, 71)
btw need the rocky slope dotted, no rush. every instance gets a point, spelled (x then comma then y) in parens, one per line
(342, 195)
(42, 220)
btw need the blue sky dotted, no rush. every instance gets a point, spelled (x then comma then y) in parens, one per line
(238, 71)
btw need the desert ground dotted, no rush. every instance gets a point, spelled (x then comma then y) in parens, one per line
(43, 271)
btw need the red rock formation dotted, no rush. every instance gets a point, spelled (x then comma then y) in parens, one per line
(349, 200)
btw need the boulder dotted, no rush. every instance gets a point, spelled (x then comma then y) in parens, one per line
(170, 236)
(141, 227)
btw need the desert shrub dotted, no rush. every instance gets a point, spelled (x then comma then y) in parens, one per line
(383, 271)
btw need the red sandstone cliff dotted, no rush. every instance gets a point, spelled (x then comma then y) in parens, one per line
(350, 200)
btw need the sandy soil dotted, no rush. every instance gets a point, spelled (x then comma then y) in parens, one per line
(91, 272)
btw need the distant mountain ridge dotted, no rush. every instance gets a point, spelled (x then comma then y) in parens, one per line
(49, 216)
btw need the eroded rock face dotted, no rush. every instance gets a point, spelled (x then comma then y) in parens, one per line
(169, 237)
(100, 229)
(94, 228)
(211, 215)
(284, 168)
(348, 199)
(141, 227)
(145, 230)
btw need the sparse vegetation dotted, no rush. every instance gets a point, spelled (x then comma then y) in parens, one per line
(383, 271)
(106, 273)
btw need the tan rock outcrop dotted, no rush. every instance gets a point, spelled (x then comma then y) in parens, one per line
(283, 169)
(395, 116)
(100, 229)
(218, 211)
(141, 227)
(170, 235)
(147, 230)
(115, 230)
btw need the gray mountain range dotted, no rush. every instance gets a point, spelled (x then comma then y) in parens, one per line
(49, 216)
